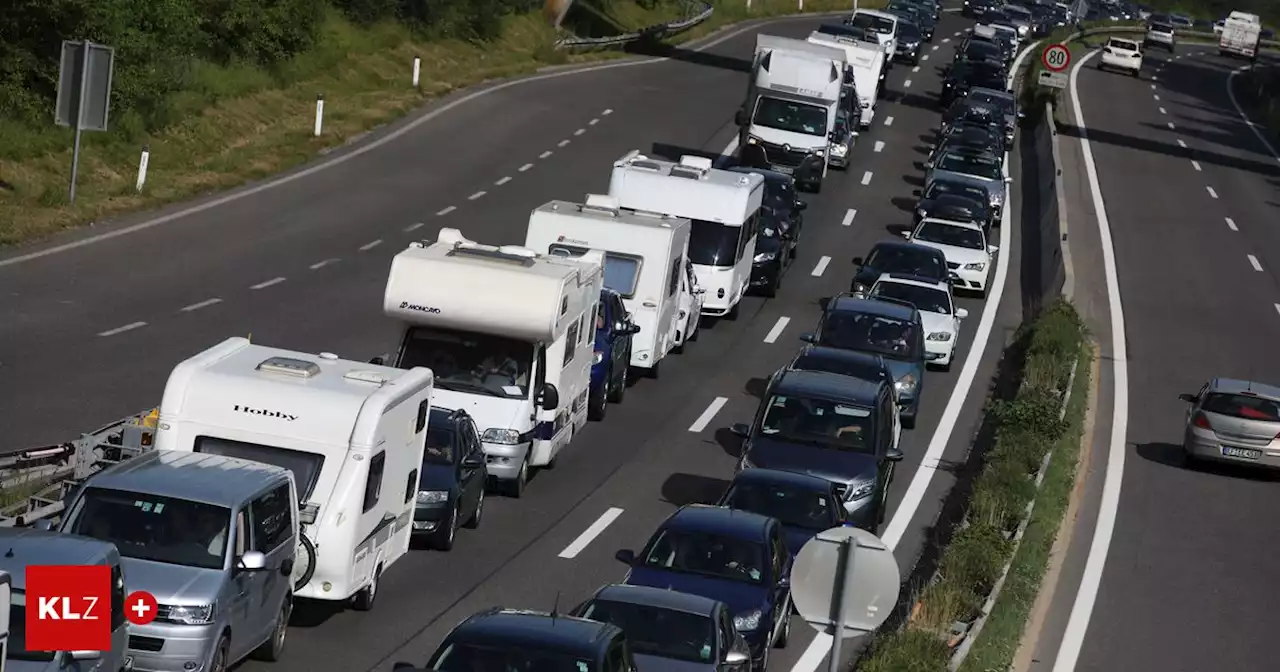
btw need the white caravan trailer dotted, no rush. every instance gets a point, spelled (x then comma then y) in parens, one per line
(352, 434)
(4, 618)
(885, 27)
(867, 61)
(644, 255)
(723, 207)
(1240, 34)
(510, 335)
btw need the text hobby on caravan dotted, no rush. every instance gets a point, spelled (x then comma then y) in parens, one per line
(509, 334)
(722, 206)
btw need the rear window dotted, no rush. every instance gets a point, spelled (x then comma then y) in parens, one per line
(1124, 44)
(1243, 406)
(1162, 27)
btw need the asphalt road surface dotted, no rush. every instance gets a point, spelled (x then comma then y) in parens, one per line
(92, 332)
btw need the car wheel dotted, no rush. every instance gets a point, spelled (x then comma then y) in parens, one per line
(620, 390)
(473, 523)
(733, 312)
(442, 540)
(515, 487)
(771, 290)
(692, 327)
(597, 399)
(369, 594)
(785, 633)
(273, 648)
(220, 655)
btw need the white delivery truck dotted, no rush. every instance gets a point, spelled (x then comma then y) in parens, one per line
(881, 24)
(509, 334)
(644, 257)
(722, 206)
(792, 102)
(351, 433)
(867, 63)
(1240, 35)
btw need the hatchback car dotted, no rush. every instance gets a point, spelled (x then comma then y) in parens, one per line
(515, 639)
(1234, 421)
(861, 365)
(1004, 103)
(955, 201)
(773, 254)
(736, 557)
(612, 356)
(964, 75)
(969, 256)
(937, 308)
(452, 481)
(898, 257)
(1121, 54)
(804, 504)
(978, 168)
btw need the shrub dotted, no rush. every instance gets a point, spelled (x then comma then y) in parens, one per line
(909, 650)
(976, 557)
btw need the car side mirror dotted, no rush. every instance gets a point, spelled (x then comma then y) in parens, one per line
(808, 337)
(736, 658)
(1189, 398)
(1022, 115)
(84, 655)
(833, 136)
(962, 313)
(906, 234)
(252, 561)
(472, 462)
(741, 429)
(893, 455)
(43, 524)
(740, 117)
(699, 291)
(857, 261)
(286, 567)
(1008, 180)
(549, 397)
(626, 556)
(801, 205)
(992, 249)
(378, 361)
(635, 328)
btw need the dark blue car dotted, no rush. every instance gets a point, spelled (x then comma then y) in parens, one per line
(736, 557)
(510, 639)
(452, 482)
(614, 330)
(804, 504)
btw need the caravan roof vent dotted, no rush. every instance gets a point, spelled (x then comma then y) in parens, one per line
(451, 236)
(699, 162)
(605, 205)
(646, 164)
(364, 376)
(517, 251)
(288, 366)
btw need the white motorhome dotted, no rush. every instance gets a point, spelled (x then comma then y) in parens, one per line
(885, 27)
(867, 62)
(722, 206)
(791, 108)
(4, 618)
(1240, 35)
(509, 334)
(351, 433)
(644, 256)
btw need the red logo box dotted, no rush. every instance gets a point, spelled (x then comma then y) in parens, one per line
(68, 608)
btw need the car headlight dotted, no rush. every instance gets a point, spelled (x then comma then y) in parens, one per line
(975, 266)
(912, 46)
(432, 496)
(597, 357)
(501, 436)
(749, 621)
(838, 150)
(183, 614)
(752, 140)
(860, 489)
(765, 256)
(997, 199)
(906, 385)
(939, 337)
(922, 212)
(819, 153)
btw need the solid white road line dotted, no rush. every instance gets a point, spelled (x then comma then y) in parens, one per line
(505, 179)
(370, 245)
(848, 217)
(121, 330)
(1231, 224)
(1253, 261)
(414, 227)
(525, 167)
(866, 178)
(776, 331)
(446, 211)
(476, 195)
(821, 267)
(588, 535)
(544, 154)
(888, 121)
(709, 414)
(1212, 193)
(1196, 164)
(580, 131)
(1249, 122)
(1087, 595)
(562, 143)
(268, 283)
(203, 304)
(879, 146)
(321, 264)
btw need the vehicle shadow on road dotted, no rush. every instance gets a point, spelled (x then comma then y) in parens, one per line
(654, 46)
(684, 489)
(927, 102)
(903, 203)
(1171, 455)
(1170, 149)
(729, 442)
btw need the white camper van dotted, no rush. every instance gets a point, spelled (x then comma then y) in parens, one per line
(723, 207)
(867, 62)
(885, 27)
(509, 334)
(791, 108)
(352, 434)
(644, 256)
(1240, 34)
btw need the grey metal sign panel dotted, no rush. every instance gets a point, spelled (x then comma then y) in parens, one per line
(1054, 80)
(84, 85)
(870, 582)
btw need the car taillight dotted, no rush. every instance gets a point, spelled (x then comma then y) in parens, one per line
(1202, 422)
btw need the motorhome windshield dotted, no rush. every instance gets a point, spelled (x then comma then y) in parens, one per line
(474, 363)
(791, 116)
(155, 528)
(713, 244)
(16, 647)
(304, 465)
(621, 271)
(871, 22)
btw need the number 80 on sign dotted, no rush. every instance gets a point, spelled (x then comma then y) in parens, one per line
(1056, 57)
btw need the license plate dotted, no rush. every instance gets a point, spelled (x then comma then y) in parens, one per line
(1245, 453)
(785, 170)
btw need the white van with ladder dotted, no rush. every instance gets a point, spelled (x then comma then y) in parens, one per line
(644, 256)
(510, 335)
(352, 434)
(722, 206)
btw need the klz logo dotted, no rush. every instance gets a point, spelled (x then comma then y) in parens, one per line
(431, 310)
(68, 608)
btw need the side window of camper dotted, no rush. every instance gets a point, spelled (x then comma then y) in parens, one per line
(411, 488)
(373, 486)
(674, 283)
(117, 598)
(424, 411)
(571, 343)
(272, 520)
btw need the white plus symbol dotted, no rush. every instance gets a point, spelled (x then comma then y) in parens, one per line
(141, 608)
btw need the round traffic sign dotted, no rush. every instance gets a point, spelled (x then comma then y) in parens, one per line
(140, 607)
(1056, 57)
(865, 585)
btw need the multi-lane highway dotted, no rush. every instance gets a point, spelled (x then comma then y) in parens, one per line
(1188, 194)
(92, 331)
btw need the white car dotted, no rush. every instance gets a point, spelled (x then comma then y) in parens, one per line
(1122, 54)
(691, 298)
(964, 244)
(938, 311)
(1161, 35)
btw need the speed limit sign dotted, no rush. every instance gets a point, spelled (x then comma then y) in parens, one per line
(1056, 57)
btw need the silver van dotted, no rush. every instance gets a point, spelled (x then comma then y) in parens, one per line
(213, 538)
(25, 546)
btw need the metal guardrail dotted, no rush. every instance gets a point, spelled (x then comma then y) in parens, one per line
(1137, 28)
(656, 31)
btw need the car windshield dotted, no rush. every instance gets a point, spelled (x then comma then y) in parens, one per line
(909, 32)
(655, 631)
(956, 188)
(793, 506)
(439, 449)
(150, 527)
(1002, 103)
(779, 194)
(947, 234)
(713, 243)
(821, 422)
(922, 262)
(470, 657)
(1243, 406)
(16, 647)
(1162, 27)
(707, 555)
(925, 299)
(977, 166)
(470, 362)
(865, 332)
(1017, 13)
(621, 271)
(978, 50)
(790, 115)
(305, 466)
(873, 23)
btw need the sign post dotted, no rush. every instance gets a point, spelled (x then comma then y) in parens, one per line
(84, 94)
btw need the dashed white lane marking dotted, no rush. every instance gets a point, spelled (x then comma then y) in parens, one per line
(1163, 111)
(821, 267)
(544, 154)
(1153, 87)
(414, 227)
(525, 167)
(203, 304)
(370, 245)
(888, 121)
(1231, 224)
(1253, 261)
(906, 84)
(1171, 126)
(562, 143)
(1212, 193)
(879, 146)
(580, 131)
(1155, 96)
(848, 217)
(588, 535)
(1181, 143)
(709, 414)
(935, 48)
(321, 264)
(1196, 164)
(121, 330)
(608, 111)
(925, 57)
(1154, 78)
(776, 331)
(944, 41)
(268, 283)
(504, 180)
(476, 195)
(866, 178)
(915, 69)
(593, 122)
(446, 211)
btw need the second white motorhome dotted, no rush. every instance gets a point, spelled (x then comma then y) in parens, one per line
(866, 62)
(351, 433)
(1240, 35)
(791, 107)
(509, 334)
(644, 257)
(722, 206)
